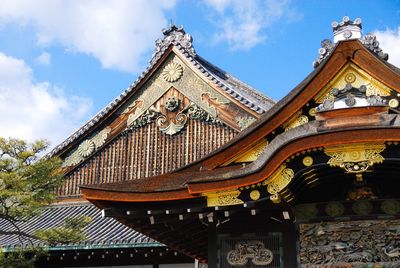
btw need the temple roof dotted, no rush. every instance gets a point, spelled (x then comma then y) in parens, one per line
(178, 39)
(209, 168)
(100, 233)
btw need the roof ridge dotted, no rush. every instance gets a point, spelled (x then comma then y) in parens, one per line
(258, 94)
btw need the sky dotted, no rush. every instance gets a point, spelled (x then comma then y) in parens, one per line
(63, 61)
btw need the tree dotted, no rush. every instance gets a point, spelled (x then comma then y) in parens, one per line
(28, 182)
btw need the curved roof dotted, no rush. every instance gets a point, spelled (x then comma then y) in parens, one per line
(206, 174)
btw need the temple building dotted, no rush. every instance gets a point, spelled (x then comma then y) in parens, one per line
(179, 110)
(191, 165)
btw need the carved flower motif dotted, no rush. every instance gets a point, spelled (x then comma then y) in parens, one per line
(172, 72)
(86, 148)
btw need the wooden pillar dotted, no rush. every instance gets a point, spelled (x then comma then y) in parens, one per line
(212, 245)
(290, 244)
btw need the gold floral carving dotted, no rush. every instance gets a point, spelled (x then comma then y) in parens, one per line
(279, 180)
(172, 72)
(87, 148)
(223, 198)
(355, 158)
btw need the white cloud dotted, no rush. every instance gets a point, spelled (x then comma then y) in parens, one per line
(389, 41)
(44, 59)
(36, 110)
(242, 23)
(117, 32)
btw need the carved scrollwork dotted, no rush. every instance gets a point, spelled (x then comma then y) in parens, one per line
(250, 250)
(146, 118)
(195, 112)
(355, 158)
(223, 198)
(279, 180)
(170, 127)
(372, 243)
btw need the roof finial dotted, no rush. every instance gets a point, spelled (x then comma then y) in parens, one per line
(173, 35)
(347, 29)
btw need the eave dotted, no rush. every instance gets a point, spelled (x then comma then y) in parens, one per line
(351, 51)
(315, 134)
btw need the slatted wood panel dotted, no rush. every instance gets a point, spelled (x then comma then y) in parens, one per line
(146, 152)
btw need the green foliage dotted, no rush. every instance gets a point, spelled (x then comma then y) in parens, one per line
(28, 182)
(20, 258)
(70, 232)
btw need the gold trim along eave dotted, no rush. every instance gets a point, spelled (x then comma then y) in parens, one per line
(223, 198)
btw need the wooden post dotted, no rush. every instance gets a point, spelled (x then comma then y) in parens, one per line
(212, 245)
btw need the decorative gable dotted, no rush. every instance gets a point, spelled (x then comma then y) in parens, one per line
(178, 112)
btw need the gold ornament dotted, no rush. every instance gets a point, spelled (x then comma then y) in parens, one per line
(275, 198)
(312, 112)
(279, 180)
(255, 195)
(223, 198)
(355, 158)
(350, 78)
(308, 161)
(172, 72)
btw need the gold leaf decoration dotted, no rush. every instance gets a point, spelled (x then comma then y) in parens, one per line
(223, 198)
(355, 158)
(279, 180)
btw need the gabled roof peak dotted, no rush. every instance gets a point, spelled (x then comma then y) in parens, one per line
(346, 30)
(173, 35)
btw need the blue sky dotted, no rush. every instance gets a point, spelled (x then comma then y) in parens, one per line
(63, 61)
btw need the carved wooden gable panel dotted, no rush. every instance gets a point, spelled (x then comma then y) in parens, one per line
(175, 118)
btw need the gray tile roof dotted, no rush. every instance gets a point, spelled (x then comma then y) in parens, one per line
(101, 232)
